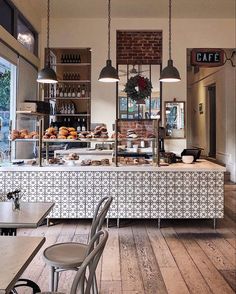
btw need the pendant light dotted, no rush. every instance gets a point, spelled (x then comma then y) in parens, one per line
(47, 75)
(170, 73)
(109, 74)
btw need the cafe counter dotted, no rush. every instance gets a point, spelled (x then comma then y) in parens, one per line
(175, 191)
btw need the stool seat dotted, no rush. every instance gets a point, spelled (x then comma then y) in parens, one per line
(65, 255)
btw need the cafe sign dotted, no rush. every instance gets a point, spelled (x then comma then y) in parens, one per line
(207, 57)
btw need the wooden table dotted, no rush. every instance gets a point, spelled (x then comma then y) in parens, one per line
(15, 255)
(30, 215)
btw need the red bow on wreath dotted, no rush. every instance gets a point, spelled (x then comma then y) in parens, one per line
(141, 83)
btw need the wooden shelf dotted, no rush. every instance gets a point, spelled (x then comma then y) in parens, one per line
(31, 113)
(72, 64)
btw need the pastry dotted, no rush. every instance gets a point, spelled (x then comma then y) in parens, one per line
(71, 129)
(73, 133)
(105, 161)
(61, 137)
(96, 162)
(63, 132)
(86, 162)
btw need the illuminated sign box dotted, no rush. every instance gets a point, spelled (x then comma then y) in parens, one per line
(207, 57)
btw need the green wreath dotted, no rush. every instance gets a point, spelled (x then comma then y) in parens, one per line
(138, 88)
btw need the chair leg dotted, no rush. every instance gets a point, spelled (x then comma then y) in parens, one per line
(51, 283)
(56, 280)
(95, 285)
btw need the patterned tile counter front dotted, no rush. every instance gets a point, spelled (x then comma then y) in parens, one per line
(137, 194)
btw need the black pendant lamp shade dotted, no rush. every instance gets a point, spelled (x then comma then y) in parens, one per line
(47, 75)
(170, 73)
(109, 74)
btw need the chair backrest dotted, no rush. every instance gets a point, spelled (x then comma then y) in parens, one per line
(99, 215)
(84, 278)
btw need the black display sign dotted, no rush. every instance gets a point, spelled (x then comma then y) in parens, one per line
(207, 57)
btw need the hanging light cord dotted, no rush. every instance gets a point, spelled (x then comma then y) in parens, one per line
(109, 28)
(169, 29)
(48, 25)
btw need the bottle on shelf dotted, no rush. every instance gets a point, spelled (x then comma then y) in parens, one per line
(78, 91)
(57, 91)
(69, 92)
(83, 91)
(78, 126)
(73, 92)
(61, 92)
(65, 91)
(52, 91)
(78, 59)
(62, 59)
(84, 126)
(51, 109)
(68, 122)
(55, 109)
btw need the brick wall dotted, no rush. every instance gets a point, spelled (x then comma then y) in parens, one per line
(141, 127)
(139, 47)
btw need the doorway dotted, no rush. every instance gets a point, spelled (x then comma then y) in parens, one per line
(211, 91)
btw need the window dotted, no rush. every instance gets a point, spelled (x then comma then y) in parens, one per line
(18, 26)
(25, 36)
(128, 109)
(7, 104)
(6, 16)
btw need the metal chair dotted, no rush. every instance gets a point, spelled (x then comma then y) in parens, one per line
(83, 281)
(69, 256)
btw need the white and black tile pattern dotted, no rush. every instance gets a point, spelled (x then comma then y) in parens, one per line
(136, 194)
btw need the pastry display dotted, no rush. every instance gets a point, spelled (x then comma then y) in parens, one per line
(63, 133)
(132, 161)
(86, 162)
(23, 134)
(100, 132)
(105, 161)
(72, 156)
(54, 160)
(95, 162)
(131, 133)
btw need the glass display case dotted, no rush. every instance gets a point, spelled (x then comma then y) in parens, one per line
(136, 142)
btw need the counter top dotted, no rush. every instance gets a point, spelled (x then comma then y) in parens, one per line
(200, 165)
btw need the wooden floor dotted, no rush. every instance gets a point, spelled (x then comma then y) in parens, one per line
(183, 257)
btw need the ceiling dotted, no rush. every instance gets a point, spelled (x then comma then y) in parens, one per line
(137, 8)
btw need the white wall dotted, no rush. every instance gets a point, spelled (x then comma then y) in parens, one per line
(186, 33)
